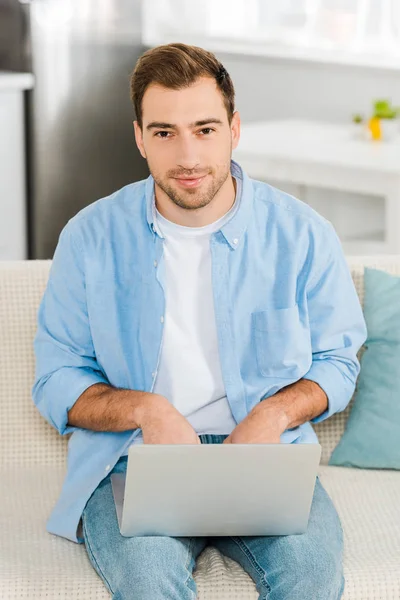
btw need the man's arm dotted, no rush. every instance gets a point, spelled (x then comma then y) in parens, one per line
(337, 330)
(105, 408)
(70, 389)
(293, 405)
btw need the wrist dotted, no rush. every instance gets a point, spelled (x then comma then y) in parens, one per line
(144, 407)
(273, 413)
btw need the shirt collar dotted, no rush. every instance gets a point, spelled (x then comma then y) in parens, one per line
(234, 229)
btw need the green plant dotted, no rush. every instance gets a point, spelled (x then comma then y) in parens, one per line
(383, 109)
(357, 118)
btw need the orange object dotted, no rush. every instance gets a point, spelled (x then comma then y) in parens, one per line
(374, 125)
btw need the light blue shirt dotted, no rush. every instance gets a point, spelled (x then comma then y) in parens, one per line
(285, 307)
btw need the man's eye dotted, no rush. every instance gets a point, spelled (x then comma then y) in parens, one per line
(208, 130)
(162, 134)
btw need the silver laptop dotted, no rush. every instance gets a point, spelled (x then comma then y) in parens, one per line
(216, 489)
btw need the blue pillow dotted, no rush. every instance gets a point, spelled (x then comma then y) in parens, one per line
(372, 435)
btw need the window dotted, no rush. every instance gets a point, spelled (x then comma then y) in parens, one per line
(350, 31)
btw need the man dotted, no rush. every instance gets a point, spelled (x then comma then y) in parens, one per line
(196, 306)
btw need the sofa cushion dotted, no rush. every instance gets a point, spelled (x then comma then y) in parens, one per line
(330, 431)
(368, 504)
(36, 564)
(372, 435)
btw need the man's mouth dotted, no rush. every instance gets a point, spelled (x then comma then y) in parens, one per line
(190, 182)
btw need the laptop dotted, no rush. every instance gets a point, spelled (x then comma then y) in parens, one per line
(216, 489)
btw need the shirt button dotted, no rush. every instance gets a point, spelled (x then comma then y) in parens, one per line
(153, 374)
(155, 263)
(162, 319)
(108, 467)
(235, 241)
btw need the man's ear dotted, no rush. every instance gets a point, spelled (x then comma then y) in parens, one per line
(235, 129)
(139, 138)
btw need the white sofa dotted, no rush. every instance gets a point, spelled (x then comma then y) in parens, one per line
(36, 564)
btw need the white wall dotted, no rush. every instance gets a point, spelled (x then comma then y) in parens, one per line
(274, 89)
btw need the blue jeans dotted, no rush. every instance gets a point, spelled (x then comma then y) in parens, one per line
(293, 567)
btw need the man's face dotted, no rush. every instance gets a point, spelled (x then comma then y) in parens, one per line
(187, 141)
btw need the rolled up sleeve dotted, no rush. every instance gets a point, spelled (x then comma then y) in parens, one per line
(65, 358)
(337, 325)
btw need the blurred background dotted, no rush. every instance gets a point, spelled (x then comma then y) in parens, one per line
(317, 86)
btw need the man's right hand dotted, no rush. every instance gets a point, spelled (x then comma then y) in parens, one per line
(162, 423)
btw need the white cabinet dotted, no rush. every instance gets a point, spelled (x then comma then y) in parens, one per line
(326, 156)
(13, 210)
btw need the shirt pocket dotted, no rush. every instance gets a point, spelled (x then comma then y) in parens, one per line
(282, 343)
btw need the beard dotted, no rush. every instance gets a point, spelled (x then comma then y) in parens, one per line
(192, 199)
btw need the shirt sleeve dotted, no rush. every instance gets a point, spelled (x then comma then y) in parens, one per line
(65, 359)
(337, 325)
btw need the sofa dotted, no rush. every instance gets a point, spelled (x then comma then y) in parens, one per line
(37, 564)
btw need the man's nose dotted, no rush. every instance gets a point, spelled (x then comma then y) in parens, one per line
(187, 154)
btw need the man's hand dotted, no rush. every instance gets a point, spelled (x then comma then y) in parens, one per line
(293, 405)
(263, 425)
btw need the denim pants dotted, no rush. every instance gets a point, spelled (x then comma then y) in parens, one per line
(294, 567)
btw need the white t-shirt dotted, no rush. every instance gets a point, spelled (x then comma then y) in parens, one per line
(189, 372)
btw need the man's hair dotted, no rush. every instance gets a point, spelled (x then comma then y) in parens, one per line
(177, 66)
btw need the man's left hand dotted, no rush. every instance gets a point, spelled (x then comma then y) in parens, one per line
(263, 425)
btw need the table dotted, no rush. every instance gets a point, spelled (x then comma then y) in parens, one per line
(317, 154)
